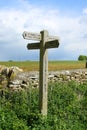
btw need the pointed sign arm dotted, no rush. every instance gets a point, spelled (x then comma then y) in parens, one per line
(31, 36)
(31, 46)
(37, 37)
(52, 44)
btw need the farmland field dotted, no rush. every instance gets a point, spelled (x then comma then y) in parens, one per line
(53, 65)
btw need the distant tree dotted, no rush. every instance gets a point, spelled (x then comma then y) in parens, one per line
(82, 58)
(10, 61)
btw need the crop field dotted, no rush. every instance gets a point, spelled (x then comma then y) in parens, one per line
(52, 65)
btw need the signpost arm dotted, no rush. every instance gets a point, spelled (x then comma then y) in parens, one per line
(43, 74)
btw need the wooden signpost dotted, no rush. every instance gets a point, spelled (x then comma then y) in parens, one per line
(45, 43)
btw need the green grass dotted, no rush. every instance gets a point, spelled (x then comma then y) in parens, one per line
(52, 66)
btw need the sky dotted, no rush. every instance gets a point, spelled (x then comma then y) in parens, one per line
(66, 19)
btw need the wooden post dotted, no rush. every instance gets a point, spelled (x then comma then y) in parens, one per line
(45, 43)
(43, 74)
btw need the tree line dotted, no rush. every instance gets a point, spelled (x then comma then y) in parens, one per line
(82, 58)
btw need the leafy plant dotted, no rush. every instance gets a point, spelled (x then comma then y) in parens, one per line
(67, 108)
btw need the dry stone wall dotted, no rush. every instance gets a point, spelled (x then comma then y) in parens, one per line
(79, 75)
(26, 79)
(20, 80)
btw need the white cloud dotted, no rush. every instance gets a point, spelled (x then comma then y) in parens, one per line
(85, 11)
(71, 30)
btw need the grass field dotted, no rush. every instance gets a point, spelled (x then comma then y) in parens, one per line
(52, 65)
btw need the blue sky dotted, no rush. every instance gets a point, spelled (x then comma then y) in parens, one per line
(66, 19)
